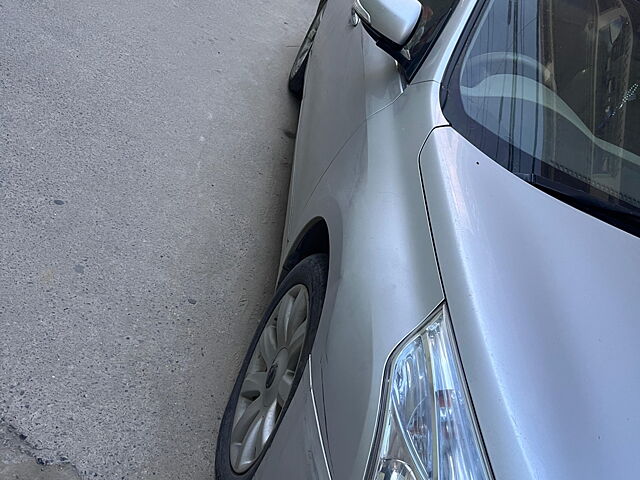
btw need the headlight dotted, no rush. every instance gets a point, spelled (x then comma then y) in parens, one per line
(428, 430)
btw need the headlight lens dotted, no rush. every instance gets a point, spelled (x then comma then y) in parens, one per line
(428, 431)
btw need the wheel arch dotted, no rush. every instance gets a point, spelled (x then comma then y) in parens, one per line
(314, 238)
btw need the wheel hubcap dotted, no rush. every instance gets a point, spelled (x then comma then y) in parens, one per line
(269, 378)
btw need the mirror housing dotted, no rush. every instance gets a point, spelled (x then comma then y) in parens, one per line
(390, 22)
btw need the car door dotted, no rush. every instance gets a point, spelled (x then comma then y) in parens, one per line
(333, 104)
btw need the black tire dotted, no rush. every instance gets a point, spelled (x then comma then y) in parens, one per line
(312, 273)
(299, 68)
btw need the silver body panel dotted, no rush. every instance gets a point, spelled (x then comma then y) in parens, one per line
(538, 301)
(333, 106)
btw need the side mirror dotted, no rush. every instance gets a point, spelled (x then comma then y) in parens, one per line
(390, 22)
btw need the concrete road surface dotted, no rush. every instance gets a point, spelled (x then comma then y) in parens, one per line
(145, 152)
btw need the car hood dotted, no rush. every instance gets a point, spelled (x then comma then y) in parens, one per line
(544, 303)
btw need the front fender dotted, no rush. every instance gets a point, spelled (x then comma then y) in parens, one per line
(383, 276)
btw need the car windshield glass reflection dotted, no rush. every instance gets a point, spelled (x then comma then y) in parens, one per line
(551, 90)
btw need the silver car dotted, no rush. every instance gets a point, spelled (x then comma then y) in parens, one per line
(460, 278)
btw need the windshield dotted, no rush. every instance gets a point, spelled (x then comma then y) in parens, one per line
(550, 90)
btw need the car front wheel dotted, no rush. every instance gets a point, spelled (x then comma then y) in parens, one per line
(271, 370)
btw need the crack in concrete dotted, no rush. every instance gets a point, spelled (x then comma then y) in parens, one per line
(20, 460)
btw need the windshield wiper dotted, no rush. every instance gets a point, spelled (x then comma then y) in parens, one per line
(618, 215)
